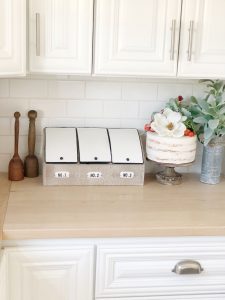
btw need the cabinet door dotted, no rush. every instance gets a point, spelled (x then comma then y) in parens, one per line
(61, 36)
(202, 46)
(192, 297)
(12, 37)
(50, 274)
(144, 270)
(138, 37)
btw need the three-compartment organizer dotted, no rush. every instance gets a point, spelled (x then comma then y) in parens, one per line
(92, 156)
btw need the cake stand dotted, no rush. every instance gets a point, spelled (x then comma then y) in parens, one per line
(169, 176)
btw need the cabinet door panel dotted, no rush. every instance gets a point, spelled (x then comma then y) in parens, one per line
(12, 37)
(136, 38)
(50, 274)
(134, 271)
(61, 36)
(202, 49)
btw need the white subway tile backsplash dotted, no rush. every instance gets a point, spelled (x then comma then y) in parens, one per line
(112, 109)
(147, 108)
(103, 90)
(49, 108)
(4, 88)
(6, 144)
(84, 109)
(10, 105)
(139, 91)
(66, 89)
(108, 123)
(167, 91)
(22, 88)
(129, 109)
(93, 103)
(4, 162)
(5, 126)
(65, 122)
(134, 123)
(120, 109)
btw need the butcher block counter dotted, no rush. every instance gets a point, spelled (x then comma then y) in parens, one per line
(35, 211)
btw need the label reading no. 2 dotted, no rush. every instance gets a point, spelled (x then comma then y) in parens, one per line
(127, 174)
(95, 175)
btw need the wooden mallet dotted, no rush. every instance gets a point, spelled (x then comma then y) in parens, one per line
(16, 170)
(31, 161)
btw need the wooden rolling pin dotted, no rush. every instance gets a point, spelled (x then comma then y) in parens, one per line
(31, 161)
(16, 169)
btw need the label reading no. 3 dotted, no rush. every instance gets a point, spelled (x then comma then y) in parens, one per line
(127, 175)
(95, 175)
(62, 174)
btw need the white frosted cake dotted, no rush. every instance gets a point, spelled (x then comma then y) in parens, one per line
(171, 150)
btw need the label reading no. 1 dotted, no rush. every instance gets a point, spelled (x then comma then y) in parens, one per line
(62, 174)
(127, 174)
(95, 175)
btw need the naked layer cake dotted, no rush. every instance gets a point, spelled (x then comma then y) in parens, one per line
(169, 140)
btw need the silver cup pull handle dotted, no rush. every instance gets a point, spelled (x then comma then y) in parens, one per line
(38, 35)
(190, 40)
(173, 37)
(184, 267)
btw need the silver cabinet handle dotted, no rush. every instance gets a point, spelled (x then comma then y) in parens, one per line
(38, 50)
(173, 34)
(190, 40)
(187, 267)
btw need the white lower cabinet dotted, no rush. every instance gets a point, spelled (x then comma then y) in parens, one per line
(120, 269)
(147, 270)
(49, 273)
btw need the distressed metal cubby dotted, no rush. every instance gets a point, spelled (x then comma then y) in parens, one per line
(92, 156)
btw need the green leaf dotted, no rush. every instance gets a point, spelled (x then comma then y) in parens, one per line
(208, 134)
(205, 80)
(213, 124)
(200, 120)
(173, 105)
(218, 84)
(203, 104)
(212, 101)
(193, 100)
(185, 112)
(222, 131)
(222, 111)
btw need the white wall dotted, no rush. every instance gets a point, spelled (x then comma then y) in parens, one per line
(86, 102)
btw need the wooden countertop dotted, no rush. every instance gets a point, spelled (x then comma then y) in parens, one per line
(190, 209)
(4, 196)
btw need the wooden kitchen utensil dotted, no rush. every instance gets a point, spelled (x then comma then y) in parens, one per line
(31, 161)
(16, 169)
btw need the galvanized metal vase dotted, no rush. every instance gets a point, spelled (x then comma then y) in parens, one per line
(212, 161)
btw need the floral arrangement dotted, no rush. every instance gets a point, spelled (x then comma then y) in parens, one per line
(209, 113)
(175, 120)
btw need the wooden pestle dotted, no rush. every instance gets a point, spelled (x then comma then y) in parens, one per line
(31, 161)
(16, 169)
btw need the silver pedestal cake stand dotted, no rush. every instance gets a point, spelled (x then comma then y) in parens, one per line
(169, 176)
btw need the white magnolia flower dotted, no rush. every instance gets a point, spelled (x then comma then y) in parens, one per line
(169, 123)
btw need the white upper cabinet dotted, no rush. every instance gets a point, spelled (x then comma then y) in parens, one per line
(202, 44)
(12, 37)
(137, 37)
(60, 36)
